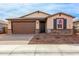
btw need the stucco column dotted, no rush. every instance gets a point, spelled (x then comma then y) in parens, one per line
(9, 28)
(49, 25)
(37, 26)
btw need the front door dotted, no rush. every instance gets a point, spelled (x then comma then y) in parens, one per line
(42, 26)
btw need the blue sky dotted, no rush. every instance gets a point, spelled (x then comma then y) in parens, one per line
(18, 9)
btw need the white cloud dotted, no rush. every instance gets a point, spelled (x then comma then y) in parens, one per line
(16, 10)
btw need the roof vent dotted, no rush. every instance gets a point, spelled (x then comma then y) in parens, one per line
(59, 14)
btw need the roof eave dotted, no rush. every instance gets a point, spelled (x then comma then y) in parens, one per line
(61, 13)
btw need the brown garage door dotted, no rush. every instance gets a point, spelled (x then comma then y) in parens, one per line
(23, 27)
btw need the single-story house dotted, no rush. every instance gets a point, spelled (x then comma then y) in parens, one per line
(76, 26)
(41, 22)
(3, 27)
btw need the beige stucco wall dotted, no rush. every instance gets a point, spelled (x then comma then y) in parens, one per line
(37, 24)
(69, 21)
(9, 24)
(36, 15)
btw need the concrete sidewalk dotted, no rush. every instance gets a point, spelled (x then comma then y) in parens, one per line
(42, 49)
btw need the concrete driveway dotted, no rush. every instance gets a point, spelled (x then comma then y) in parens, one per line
(15, 38)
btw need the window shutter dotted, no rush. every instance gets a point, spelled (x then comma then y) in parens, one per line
(65, 24)
(55, 22)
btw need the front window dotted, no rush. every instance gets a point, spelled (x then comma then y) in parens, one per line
(59, 23)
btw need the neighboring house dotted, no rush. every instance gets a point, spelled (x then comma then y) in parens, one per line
(41, 22)
(3, 26)
(76, 26)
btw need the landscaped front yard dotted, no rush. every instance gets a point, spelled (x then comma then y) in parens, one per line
(55, 39)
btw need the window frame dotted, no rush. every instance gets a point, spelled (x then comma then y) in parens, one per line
(57, 24)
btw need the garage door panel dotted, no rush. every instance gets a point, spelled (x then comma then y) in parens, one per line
(23, 27)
